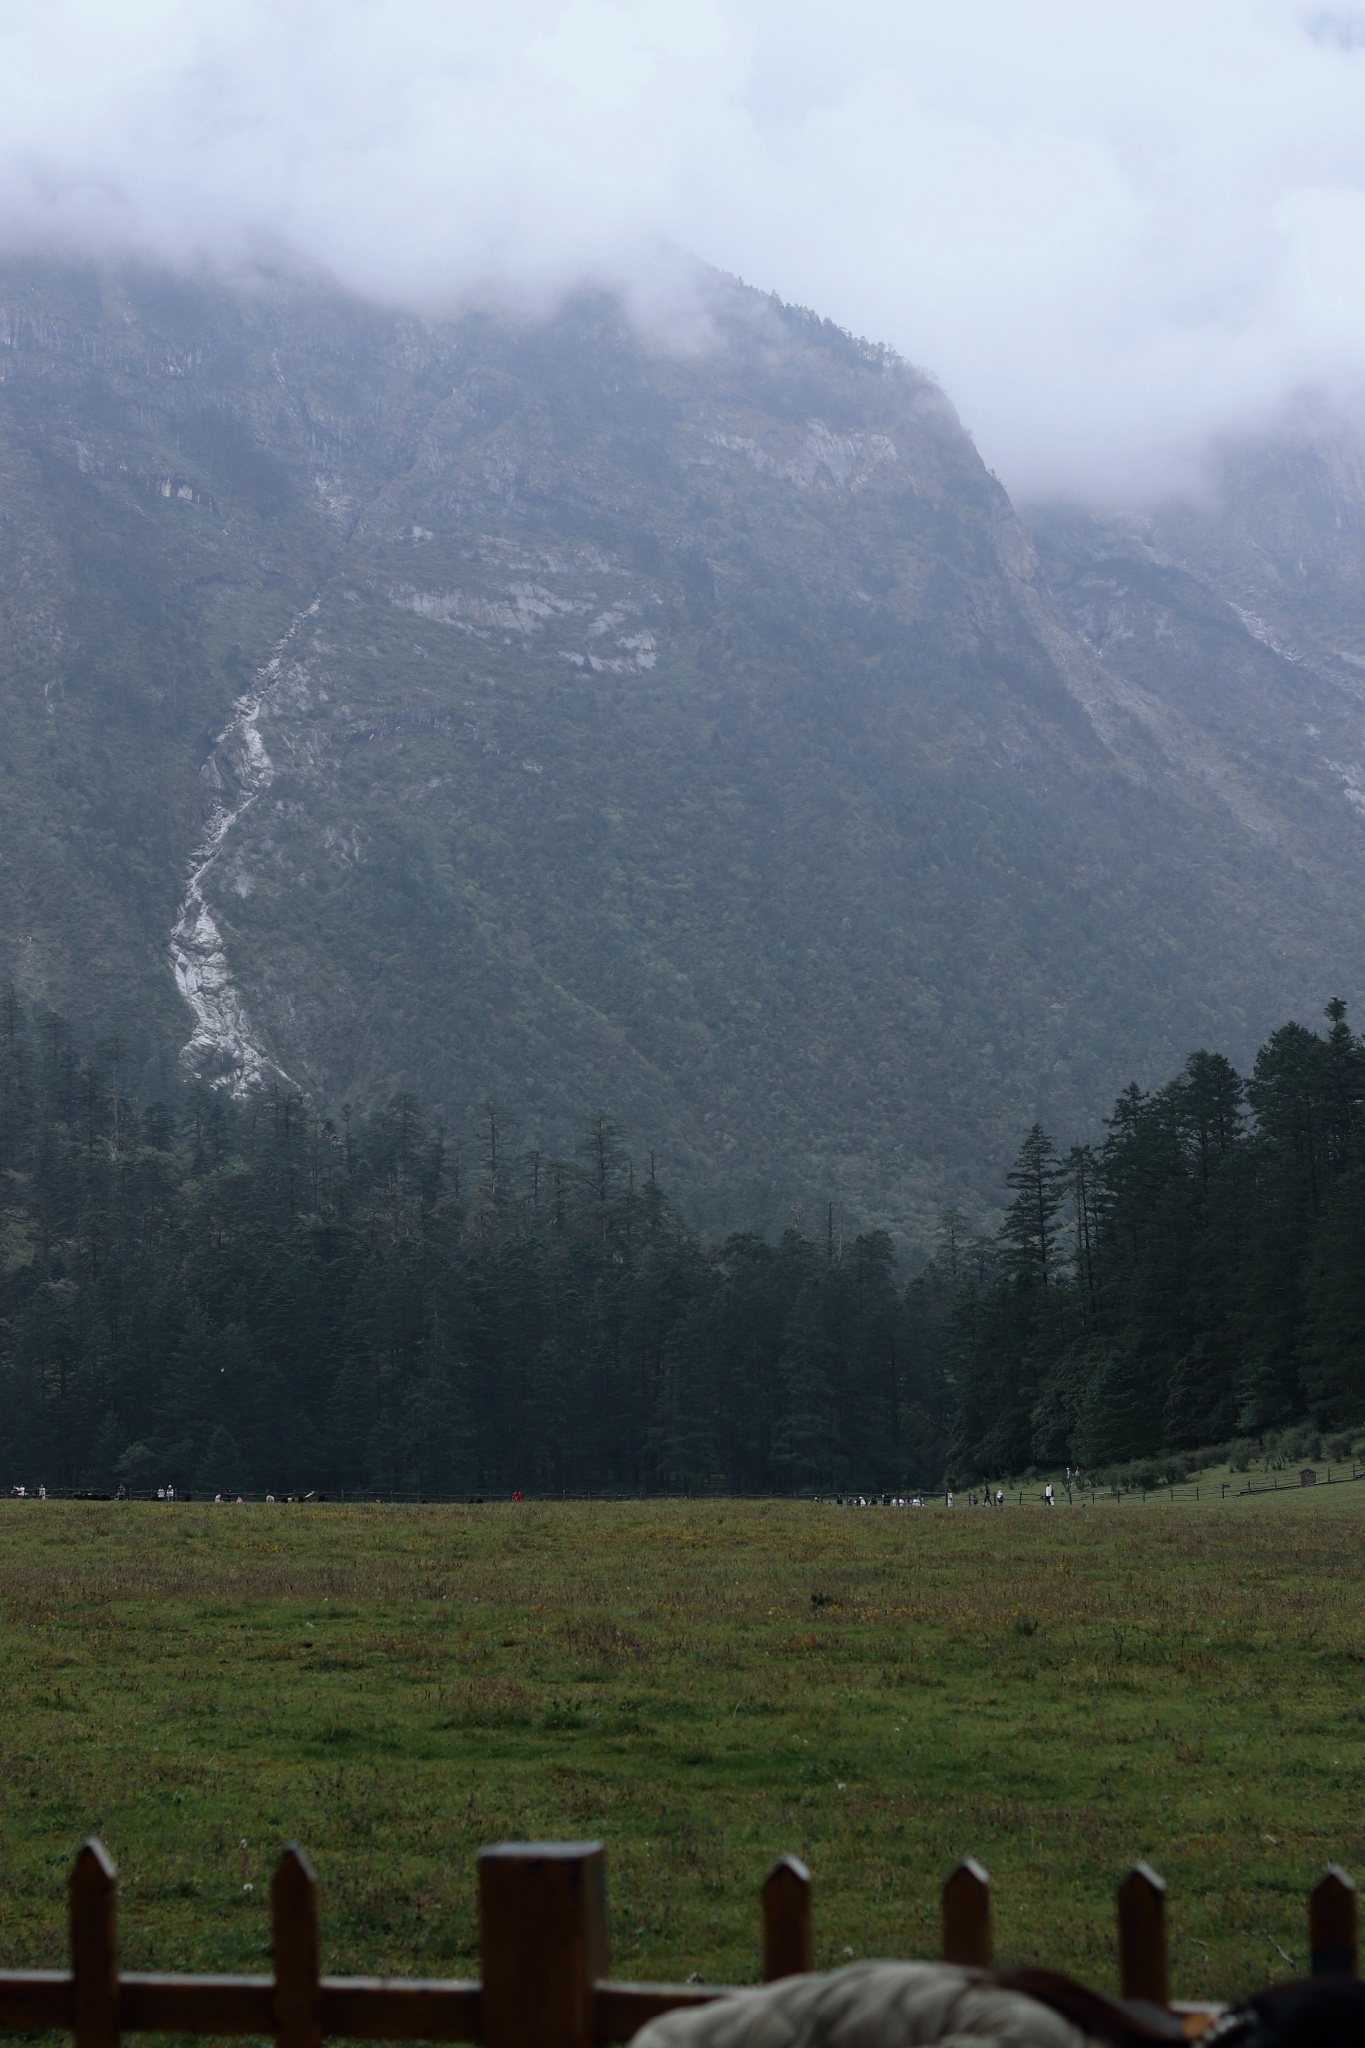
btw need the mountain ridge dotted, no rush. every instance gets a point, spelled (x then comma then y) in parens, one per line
(707, 736)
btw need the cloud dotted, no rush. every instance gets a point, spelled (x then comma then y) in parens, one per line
(1109, 231)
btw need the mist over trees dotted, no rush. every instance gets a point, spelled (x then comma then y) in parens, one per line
(241, 1298)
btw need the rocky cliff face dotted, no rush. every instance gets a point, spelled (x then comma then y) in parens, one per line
(1270, 554)
(528, 714)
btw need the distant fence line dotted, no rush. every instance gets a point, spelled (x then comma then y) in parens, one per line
(1292, 1484)
(543, 1956)
(1192, 1490)
(958, 1497)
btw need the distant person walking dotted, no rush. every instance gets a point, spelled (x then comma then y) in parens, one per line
(1047, 1494)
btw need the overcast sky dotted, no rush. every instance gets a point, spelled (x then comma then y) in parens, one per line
(1110, 227)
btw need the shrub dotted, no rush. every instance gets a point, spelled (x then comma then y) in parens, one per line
(1290, 1445)
(1210, 1454)
(1146, 1475)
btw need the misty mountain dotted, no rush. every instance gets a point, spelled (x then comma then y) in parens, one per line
(532, 713)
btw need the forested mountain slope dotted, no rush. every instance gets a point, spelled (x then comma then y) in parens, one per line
(536, 714)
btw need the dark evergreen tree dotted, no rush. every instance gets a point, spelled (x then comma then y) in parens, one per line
(221, 1468)
(1030, 1229)
(1119, 1414)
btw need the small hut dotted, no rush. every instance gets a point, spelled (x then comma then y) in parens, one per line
(1308, 1477)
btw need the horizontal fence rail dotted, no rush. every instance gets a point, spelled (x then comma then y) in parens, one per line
(543, 1955)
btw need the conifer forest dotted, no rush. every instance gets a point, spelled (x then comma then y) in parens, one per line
(249, 1298)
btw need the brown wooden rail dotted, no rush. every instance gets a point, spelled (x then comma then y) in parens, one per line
(543, 1951)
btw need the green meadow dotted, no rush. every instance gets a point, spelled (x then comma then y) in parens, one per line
(702, 1685)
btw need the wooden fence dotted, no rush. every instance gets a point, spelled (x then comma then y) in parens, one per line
(543, 1953)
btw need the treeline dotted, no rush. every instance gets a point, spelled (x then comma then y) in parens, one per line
(248, 1297)
(1198, 1276)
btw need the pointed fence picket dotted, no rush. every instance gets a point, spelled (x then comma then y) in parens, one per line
(1332, 1928)
(543, 1953)
(1143, 1971)
(788, 1939)
(967, 1915)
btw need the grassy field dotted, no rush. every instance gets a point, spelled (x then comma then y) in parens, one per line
(702, 1685)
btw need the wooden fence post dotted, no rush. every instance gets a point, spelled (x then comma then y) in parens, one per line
(1332, 1925)
(92, 1895)
(967, 1915)
(543, 1941)
(788, 1945)
(1143, 1971)
(294, 1945)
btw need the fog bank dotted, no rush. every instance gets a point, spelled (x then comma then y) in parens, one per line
(1109, 232)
